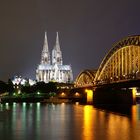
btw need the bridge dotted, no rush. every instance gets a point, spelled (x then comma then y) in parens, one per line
(120, 68)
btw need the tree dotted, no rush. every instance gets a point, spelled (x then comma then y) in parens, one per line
(10, 87)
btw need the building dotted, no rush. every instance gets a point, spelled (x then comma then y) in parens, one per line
(18, 80)
(53, 70)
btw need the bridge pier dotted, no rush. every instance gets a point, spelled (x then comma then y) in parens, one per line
(89, 98)
(134, 91)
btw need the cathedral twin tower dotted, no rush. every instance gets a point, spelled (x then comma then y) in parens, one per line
(53, 70)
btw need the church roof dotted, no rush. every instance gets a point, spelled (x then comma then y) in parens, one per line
(64, 67)
(52, 67)
(45, 67)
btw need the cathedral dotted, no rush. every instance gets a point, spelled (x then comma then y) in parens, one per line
(53, 70)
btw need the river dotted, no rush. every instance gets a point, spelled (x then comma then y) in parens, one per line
(36, 121)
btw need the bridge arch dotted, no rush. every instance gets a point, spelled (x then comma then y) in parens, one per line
(85, 78)
(121, 63)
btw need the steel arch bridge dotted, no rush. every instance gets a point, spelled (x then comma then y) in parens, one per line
(122, 63)
(85, 78)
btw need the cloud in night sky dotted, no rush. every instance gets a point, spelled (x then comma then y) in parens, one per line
(87, 30)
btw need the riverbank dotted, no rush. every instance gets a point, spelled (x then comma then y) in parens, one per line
(35, 99)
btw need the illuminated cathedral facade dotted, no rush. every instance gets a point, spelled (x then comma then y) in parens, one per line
(53, 70)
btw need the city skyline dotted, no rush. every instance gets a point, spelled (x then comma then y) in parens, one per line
(87, 30)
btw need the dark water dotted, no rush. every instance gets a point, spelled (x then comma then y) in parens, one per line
(67, 122)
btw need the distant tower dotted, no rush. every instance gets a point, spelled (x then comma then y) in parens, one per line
(56, 53)
(41, 73)
(45, 57)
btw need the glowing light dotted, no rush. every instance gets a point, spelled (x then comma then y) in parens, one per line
(14, 105)
(38, 105)
(24, 104)
(134, 112)
(18, 80)
(89, 95)
(77, 94)
(31, 82)
(134, 92)
(88, 118)
(62, 94)
(77, 103)
(38, 93)
(138, 93)
(7, 106)
(38, 111)
(63, 104)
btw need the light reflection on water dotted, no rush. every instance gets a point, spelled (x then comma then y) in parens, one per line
(20, 121)
(88, 128)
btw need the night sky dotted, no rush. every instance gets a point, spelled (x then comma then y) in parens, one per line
(87, 30)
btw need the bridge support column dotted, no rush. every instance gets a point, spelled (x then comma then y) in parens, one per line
(134, 91)
(89, 96)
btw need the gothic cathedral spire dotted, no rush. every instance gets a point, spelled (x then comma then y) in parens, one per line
(56, 52)
(57, 45)
(45, 59)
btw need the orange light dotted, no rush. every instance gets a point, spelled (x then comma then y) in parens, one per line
(134, 112)
(62, 94)
(89, 95)
(77, 94)
(77, 103)
(88, 119)
(134, 91)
